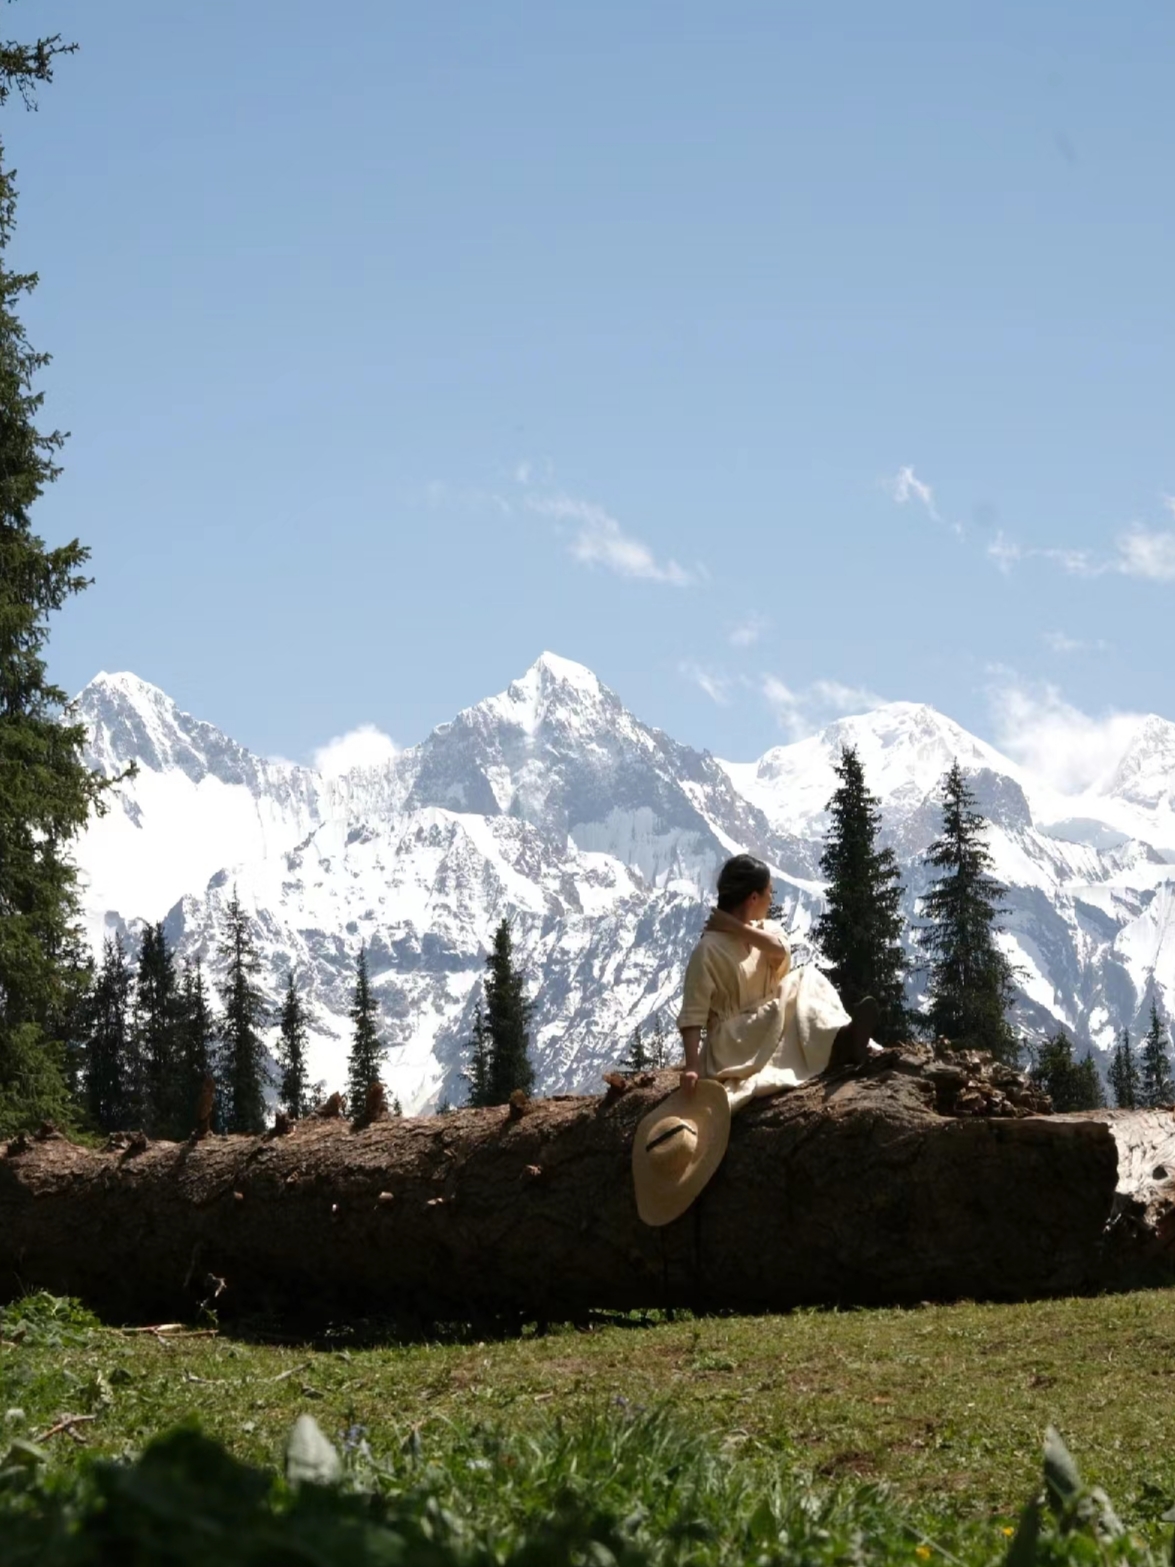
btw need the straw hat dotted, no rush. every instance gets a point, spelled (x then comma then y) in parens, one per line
(677, 1148)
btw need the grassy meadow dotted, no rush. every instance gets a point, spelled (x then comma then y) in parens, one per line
(927, 1422)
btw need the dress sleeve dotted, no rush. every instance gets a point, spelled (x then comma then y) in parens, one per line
(781, 965)
(698, 991)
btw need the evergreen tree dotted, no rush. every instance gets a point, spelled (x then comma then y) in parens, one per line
(1090, 1090)
(366, 1047)
(638, 1057)
(107, 1047)
(478, 1071)
(157, 1039)
(46, 791)
(970, 978)
(242, 1055)
(1125, 1080)
(1156, 1088)
(294, 1088)
(860, 931)
(1070, 1084)
(659, 1048)
(507, 1019)
(196, 1030)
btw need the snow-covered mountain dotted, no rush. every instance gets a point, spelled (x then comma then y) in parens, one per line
(600, 838)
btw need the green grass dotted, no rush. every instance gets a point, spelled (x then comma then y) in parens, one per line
(931, 1418)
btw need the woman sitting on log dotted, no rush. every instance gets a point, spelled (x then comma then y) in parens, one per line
(767, 1026)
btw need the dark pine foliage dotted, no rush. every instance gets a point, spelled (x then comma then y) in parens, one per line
(108, 1042)
(367, 1049)
(507, 1018)
(1124, 1075)
(242, 1070)
(970, 989)
(638, 1057)
(1070, 1084)
(157, 1039)
(196, 1030)
(658, 1047)
(1156, 1087)
(46, 791)
(477, 1073)
(860, 931)
(294, 1086)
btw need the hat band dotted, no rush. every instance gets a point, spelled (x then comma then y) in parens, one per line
(670, 1131)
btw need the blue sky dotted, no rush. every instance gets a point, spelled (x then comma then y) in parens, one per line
(770, 359)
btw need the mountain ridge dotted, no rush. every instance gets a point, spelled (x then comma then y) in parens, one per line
(599, 836)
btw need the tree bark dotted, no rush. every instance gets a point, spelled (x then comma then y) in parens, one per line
(853, 1190)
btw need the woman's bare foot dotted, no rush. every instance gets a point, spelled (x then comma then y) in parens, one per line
(851, 1045)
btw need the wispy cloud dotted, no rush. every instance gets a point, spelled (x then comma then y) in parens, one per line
(748, 631)
(801, 713)
(599, 540)
(1061, 643)
(1005, 552)
(906, 486)
(1037, 727)
(715, 686)
(1149, 555)
(363, 746)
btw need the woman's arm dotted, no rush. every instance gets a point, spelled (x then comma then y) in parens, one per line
(766, 941)
(691, 1038)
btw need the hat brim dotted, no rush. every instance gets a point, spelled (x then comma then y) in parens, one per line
(708, 1107)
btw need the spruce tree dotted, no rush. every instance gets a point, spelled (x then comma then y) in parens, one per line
(157, 1038)
(294, 1087)
(196, 1030)
(107, 1046)
(1125, 1080)
(366, 1047)
(860, 930)
(970, 986)
(46, 790)
(242, 1054)
(1070, 1084)
(1156, 1087)
(507, 1016)
(1090, 1092)
(477, 1073)
(659, 1048)
(637, 1058)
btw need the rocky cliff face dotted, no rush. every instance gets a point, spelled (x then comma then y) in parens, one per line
(599, 837)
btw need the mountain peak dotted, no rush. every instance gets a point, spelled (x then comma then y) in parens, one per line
(562, 671)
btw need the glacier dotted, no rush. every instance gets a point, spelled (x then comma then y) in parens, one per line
(599, 837)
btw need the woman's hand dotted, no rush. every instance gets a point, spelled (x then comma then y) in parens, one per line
(776, 951)
(689, 1081)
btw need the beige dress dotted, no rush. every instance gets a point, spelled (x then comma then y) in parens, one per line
(767, 1026)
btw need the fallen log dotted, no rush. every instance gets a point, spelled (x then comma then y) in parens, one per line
(904, 1181)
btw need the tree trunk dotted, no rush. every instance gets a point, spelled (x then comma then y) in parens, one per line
(850, 1190)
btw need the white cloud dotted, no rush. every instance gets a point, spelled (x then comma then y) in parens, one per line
(363, 746)
(1038, 728)
(906, 486)
(1150, 555)
(716, 687)
(748, 631)
(802, 713)
(599, 540)
(1004, 551)
(1060, 642)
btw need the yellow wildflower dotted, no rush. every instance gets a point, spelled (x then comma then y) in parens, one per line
(922, 1552)
(1008, 1530)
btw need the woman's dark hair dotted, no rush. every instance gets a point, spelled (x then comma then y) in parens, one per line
(739, 878)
